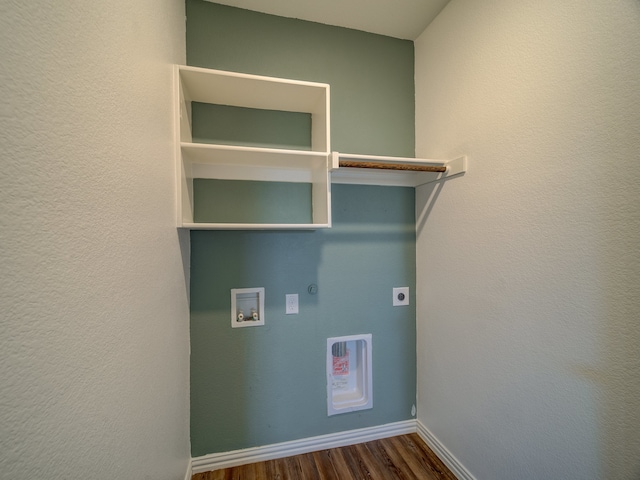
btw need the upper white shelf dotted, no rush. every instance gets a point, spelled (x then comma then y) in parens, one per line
(255, 91)
(391, 171)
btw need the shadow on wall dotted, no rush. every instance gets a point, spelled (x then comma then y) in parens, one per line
(620, 377)
(184, 240)
(430, 195)
(230, 397)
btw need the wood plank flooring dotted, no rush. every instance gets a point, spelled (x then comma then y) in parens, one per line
(403, 457)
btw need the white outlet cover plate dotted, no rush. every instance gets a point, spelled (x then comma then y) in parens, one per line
(398, 293)
(291, 303)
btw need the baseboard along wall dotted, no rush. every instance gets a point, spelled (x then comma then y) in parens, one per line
(216, 461)
(443, 453)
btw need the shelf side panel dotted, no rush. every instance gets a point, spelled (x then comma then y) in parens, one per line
(182, 131)
(321, 124)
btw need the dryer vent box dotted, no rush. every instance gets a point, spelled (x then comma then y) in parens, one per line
(349, 374)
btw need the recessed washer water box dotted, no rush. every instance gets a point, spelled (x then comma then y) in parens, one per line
(349, 374)
(247, 307)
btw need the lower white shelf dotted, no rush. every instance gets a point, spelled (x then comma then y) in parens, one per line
(252, 163)
(263, 167)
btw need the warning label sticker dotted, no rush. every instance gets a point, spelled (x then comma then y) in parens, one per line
(341, 365)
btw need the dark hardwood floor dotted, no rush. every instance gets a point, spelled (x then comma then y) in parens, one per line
(403, 457)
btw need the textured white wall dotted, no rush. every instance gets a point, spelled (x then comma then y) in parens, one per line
(529, 266)
(94, 330)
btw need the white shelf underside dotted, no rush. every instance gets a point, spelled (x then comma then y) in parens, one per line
(255, 226)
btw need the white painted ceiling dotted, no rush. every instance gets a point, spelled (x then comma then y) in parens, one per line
(405, 19)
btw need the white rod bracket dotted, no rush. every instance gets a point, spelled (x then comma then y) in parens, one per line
(456, 167)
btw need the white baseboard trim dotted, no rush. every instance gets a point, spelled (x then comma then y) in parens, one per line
(189, 474)
(443, 453)
(216, 461)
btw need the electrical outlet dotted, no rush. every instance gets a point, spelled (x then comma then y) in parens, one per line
(291, 303)
(400, 296)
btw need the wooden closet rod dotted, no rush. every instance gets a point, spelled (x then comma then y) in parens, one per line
(391, 166)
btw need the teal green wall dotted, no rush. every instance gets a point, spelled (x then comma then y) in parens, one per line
(241, 201)
(223, 124)
(371, 76)
(263, 385)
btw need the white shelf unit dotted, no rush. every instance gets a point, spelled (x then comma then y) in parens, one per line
(402, 178)
(231, 162)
